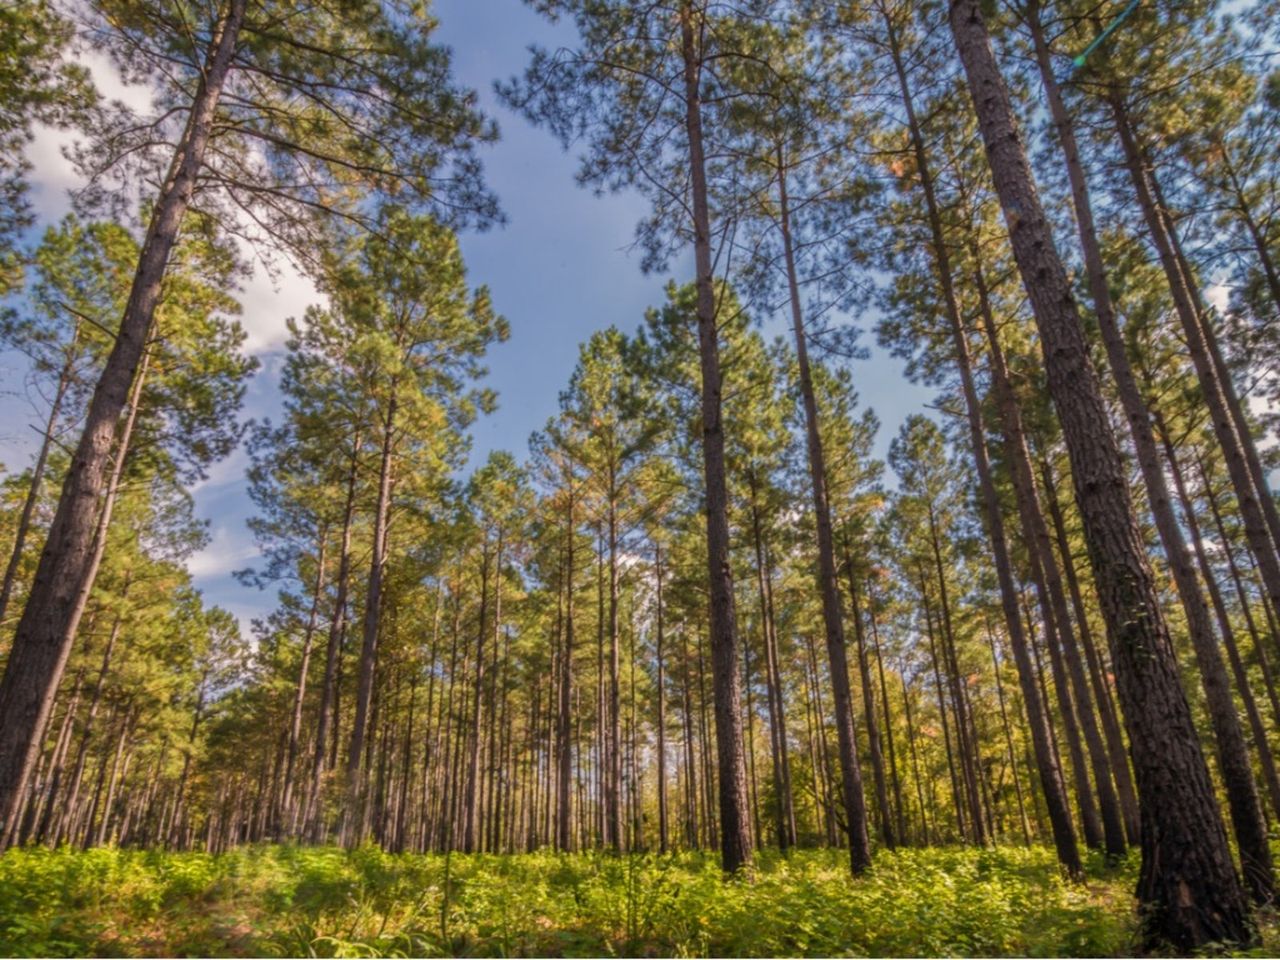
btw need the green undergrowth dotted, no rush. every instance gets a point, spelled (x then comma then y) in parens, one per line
(296, 901)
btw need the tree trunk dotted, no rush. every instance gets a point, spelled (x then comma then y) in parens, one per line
(354, 801)
(1047, 766)
(888, 715)
(1056, 613)
(887, 834)
(287, 805)
(1233, 755)
(734, 831)
(1251, 495)
(934, 661)
(47, 628)
(1256, 724)
(1008, 737)
(613, 794)
(337, 627)
(855, 810)
(1188, 881)
(662, 705)
(1246, 808)
(564, 755)
(471, 800)
(1116, 747)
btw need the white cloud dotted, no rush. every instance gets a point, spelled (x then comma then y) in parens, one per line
(269, 301)
(228, 550)
(1218, 295)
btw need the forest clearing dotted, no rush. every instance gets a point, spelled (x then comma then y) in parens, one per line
(846, 527)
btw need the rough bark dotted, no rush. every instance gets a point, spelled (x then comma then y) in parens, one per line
(1188, 883)
(42, 641)
(735, 832)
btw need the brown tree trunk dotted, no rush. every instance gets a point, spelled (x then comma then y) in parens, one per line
(1047, 766)
(1246, 808)
(1063, 652)
(887, 834)
(564, 753)
(43, 639)
(1188, 881)
(337, 627)
(855, 810)
(288, 808)
(735, 834)
(355, 805)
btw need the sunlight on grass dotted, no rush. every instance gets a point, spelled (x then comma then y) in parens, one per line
(290, 901)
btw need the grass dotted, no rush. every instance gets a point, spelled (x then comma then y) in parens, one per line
(292, 901)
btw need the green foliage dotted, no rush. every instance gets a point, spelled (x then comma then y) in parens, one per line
(286, 901)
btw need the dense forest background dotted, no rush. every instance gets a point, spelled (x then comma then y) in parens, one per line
(697, 612)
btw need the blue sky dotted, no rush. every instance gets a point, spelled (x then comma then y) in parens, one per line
(559, 270)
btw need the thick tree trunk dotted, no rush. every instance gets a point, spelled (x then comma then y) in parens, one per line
(45, 632)
(1188, 882)
(735, 832)
(1246, 808)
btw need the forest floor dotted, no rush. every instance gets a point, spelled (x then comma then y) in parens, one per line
(292, 901)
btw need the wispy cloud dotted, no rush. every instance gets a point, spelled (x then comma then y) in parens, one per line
(229, 549)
